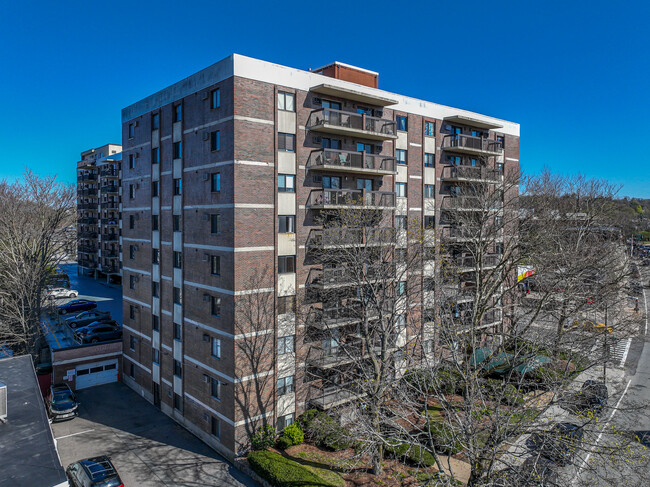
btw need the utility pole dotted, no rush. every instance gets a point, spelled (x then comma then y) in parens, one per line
(606, 352)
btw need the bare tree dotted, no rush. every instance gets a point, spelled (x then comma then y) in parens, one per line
(35, 216)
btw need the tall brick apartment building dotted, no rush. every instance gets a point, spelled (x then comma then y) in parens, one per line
(223, 173)
(98, 212)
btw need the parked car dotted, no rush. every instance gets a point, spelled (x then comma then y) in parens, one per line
(538, 471)
(558, 444)
(61, 403)
(76, 305)
(93, 472)
(591, 326)
(99, 331)
(88, 317)
(592, 397)
(60, 292)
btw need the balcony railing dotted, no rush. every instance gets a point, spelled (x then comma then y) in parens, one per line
(470, 174)
(88, 192)
(110, 237)
(87, 206)
(463, 203)
(469, 263)
(331, 396)
(110, 253)
(359, 162)
(87, 177)
(348, 123)
(87, 235)
(113, 205)
(110, 269)
(109, 173)
(335, 354)
(349, 237)
(471, 145)
(88, 263)
(87, 249)
(349, 198)
(111, 188)
(88, 221)
(345, 276)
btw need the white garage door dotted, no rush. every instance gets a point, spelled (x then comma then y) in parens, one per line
(96, 374)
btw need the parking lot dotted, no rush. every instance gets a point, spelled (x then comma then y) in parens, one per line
(147, 447)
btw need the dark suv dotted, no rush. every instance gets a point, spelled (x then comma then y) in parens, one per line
(87, 317)
(76, 305)
(592, 397)
(61, 403)
(99, 331)
(93, 472)
(559, 444)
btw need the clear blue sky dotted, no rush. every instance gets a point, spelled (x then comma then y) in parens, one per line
(575, 75)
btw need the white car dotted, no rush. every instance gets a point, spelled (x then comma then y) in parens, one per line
(61, 292)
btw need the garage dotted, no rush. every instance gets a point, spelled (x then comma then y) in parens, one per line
(97, 373)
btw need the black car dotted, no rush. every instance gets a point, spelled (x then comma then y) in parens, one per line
(558, 444)
(87, 317)
(99, 331)
(592, 397)
(538, 471)
(93, 472)
(61, 403)
(76, 305)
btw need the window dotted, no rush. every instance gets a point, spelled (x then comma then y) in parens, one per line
(155, 289)
(286, 264)
(178, 332)
(502, 140)
(400, 155)
(429, 221)
(131, 191)
(131, 282)
(177, 295)
(477, 133)
(132, 370)
(155, 322)
(215, 388)
(215, 306)
(132, 343)
(155, 356)
(285, 385)
(132, 161)
(131, 252)
(131, 222)
(427, 346)
(286, 101)
(155, 222)
(286, 304)
(429, 129)
(155, 256)
(215, 182)
(215, 140)
(178, 113)
(215, 427)
(178, 186)
(287, 183)
(402, 123)
(331, 182)
(215, 98)
(429, 160)
(286, 142)
(215, 223)
(178, 260)
(400, 222)
(500, 167)
(177, 150)
(428, 190)
(178, 369)
(284, 421)
(155, 155)
(155, 121)
(327, 143)
(176, 219)
(400, 255)
(215, 348)
(131, 130)
(154, 188)
(286, 224)
(285, 345)
(400, 190)
(401, 288)
(132, 312)
(215, 265)
(178, 402)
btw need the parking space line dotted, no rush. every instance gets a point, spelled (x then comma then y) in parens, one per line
(74, 434)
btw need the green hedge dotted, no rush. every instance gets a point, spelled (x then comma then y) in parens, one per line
(320, 428)
(412, 453)
(284, 472)
(445, 441)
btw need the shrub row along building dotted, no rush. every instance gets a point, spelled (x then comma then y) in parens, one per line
(246, 189)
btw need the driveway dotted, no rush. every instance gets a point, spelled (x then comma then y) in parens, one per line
(147, 447)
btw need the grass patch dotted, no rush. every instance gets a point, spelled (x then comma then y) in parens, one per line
(280, 471)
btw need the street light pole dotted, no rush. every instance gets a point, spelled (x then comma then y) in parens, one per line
(605, 354)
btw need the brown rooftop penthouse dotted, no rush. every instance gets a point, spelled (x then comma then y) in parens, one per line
(235, 182)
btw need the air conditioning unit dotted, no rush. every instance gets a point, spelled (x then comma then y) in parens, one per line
(206, 135)
(206, 257)
(206, 338)
(3, 402)
(206, 378)
(206, 176)
(206, 297)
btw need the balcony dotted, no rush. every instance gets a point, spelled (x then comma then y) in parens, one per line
(470, 174)
(336, 317)
(109, 173)
(87, 177)
(461, 203)
(332, 396)
(110, 222)
(88, 264)
(111, 205)
(350, 161)
(467, 144)
(90, 192)
(341, 353)
(111, 254)
(330, 121)
(110, 237)
(333, 238)
(331, 277)
(110, 189)
(110, 269)
(88, 221)
(87, 249)
(329, 199)
(87, 235)
(362, 97)
(469, 263)
(87, 206)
